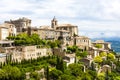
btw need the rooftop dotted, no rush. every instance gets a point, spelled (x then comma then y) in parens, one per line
(70, 55)
(46, 27)
(61, 31)
(82, 37)
(101, 41)
(65, 25)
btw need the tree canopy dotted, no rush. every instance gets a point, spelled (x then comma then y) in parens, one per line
(98, 59)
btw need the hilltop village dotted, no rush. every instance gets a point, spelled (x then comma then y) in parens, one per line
(20, 41)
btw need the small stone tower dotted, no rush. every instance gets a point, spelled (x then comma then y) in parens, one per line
(54, 23)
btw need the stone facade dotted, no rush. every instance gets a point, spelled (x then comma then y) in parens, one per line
(30, 52)
(6, 30)
(4, 33)
(82, 42)
(68, 27)
(69, 58)
(45, 32)
(105, 45)
(23, 52)
(20, 23)
(63, 36)
(73, 29)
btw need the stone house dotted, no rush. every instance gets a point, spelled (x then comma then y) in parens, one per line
(23, 52)
(82, 42)
(20, 24)
(6, 30)
(105, 45)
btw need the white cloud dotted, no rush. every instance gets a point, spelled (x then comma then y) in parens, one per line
(92, 16)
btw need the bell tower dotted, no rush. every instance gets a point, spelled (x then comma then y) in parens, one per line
(54, 23)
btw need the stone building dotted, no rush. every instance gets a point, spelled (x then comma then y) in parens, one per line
(6, 30)
(11, 28)
(20, 23)
(69, 59)
(63, 32)
(63, 36)
(7, 47)
(29, 52)
(46, 32)
(73, 29)
(30, 30)
(105, 45)
(23, 52)
(82, 42)
(68, 27)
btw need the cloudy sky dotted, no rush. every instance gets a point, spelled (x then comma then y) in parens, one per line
(95, 18)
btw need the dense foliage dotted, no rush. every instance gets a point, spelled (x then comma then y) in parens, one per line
(98, 45)
(25, 39)
(79, 52)
(54, 66)
(55, 69)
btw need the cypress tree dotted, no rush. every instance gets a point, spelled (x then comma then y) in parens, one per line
(1, 65)
(47, 73)
(62, 65)
(58, 63)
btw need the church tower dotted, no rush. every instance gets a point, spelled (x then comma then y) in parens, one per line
(54, 23)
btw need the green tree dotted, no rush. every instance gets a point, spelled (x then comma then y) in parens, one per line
(86, 76)
(81, 54)
(101, 76)
(35, 75)
(117, 78)
(93, 74)
(47, 73)
(60, 64)
(12, 73)
(98, 45)
(67, 77)
(73, 49)
(98, 59)
(54, 74)
(110, 56)
(35, 38)
(103, 54)
(2, 74)
(76, 69)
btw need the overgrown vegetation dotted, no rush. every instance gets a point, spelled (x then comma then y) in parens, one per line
(25, 39)
(17, 70)
(98, 45)
(79, 52)
(55, 67)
